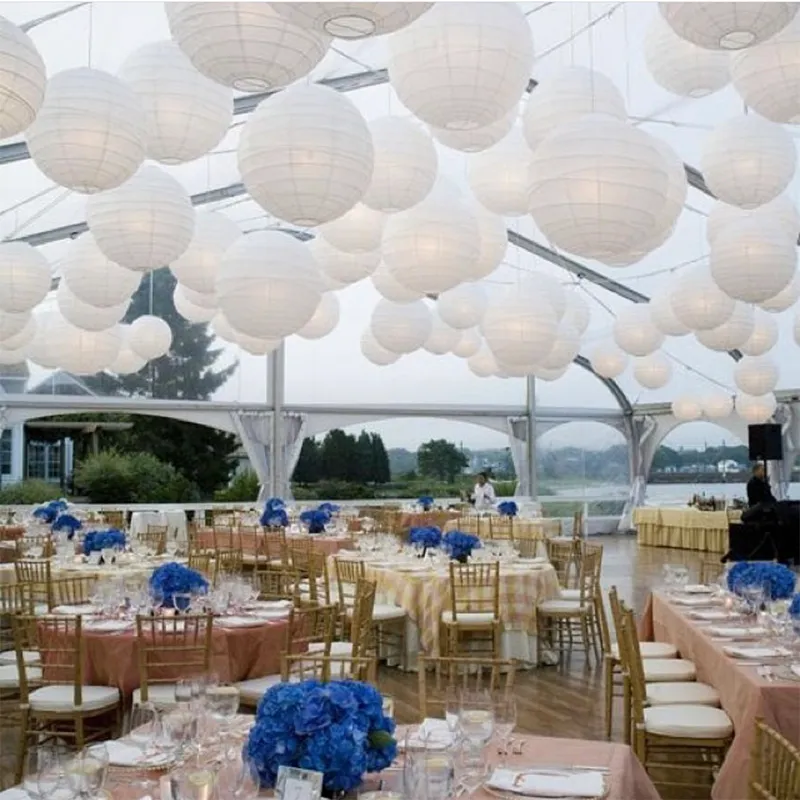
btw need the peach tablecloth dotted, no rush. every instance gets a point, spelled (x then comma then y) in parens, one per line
(682, 528)
(744, 695)
(11, 532)
(329, 545)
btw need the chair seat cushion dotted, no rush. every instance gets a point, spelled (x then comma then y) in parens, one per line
(651, 650)
(28, 656)
(161, 695)
(559, 606)
(688, 722)
(569, 594)
(253, 690)
(678, 693)
(61, 698)
(662, 670)
(468, 618)
(385, 612)
(338, 649)
(9, 676)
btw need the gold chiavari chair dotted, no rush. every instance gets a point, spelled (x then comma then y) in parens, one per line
(577, 524)
(73, 591)
(228, 562)
(41, 545)
(276, 548)
(15, 598)
(774, 766)
(474, 609)
(201, 541)
(331, 668)
(155, 539)
(564, 555)
(527, 546)
(201, 562)
(501, 528)
(114, 518)
(361, 621)
(277, 584)
(36, 573)
(315, 586)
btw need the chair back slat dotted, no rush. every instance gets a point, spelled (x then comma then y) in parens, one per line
(37, 574)
(475, 588)
(304, 667)
(774, 766)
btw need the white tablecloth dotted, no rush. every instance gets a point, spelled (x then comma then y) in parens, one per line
(174, 520)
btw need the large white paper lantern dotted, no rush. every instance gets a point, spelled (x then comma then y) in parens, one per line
(325, 318)
(733, 333)
(11, 323)
(781, 212)
(717, 405)
(635, 333)
(442, 338)
(257, 347)
(653, 371)
(360, 230)
(223, 329)
(607, 360)
(681, 67)
(82, 352)
(785, 298)
(462, 65)
(599, 187)
(306, 156)
(10, 356)
(405, 165)
(247, 46)
(764, 335)
(463, 306)
(24, 272)
(198, 265)
(565, 97)
(687, 408)
(144, 224)
(22, 79)
(186, 114)
(391, 289)
(374, 353)
(727, 26)
(149, 337)
(755, 410)
(200, 299)
(351, 20)
(699, 303)
(188, 310)
(343, 268)
(493, 241)
(85, 316)
(127, 362)
(483, 364)
(23, 337)
(550, 375)
(565, 347)
(89, 134)
(401, 328)
(756, 375)
(38, 349)
(468, 344)
(748, 161)
(476, 139)
(663, 317)
(753, 261)
(576, 311)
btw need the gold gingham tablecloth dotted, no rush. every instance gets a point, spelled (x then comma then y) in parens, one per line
(683, 528)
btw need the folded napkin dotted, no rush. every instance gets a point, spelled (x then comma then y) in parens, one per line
(122, 754)
(76, 611)
(712, 614)
(755, 652)
(735, 633)
(697, 588)
(693, 601)
(238, 622)
(433, 734)
(270, 613)
(107, 625)
(545, 783)
(537, 560)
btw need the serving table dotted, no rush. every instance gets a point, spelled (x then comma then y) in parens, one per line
(683, 528)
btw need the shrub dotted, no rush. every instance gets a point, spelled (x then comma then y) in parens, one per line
(242, 489)
(29, 492)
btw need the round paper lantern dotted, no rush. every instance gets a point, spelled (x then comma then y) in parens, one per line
(144, 224)
(38, 349)
(733, 333)
(374, 353)
(545, 374)
(756, 375)
(717, 405)
(753, 261)
(764, 336)
(22, 80)
(325, 318)
(635, 333)
(22, 338)
(85, 316)
(149, 337)
(223, 329)
(699, 303)
(186, 114)
(727, 26)
(483, 363)
(748, 161)
(127, 362)
(9, 356)
(269, 284)
(687, 408)
(477, 139)
(188, 310)
(599, 187)
(24, 272)
(257, 347)
(360, 230)
(205, 301)
(607, 360)
(401, 328)
(785, 298)
(565, 347)
(82, 352)
(663, 317)
(405, 165)
(781, 212)
(247, 46)
(351, 20)
(755, 410)
(463, 306)
(653, 371)
(306, 156)
(493, 243)
(442, 338)
(468, 344)
(391, 289)
(343, 268)
(681, 67)
(462, 66)
(567, 96)
(199, 264)
(12, 323)
(89, 134)
(576, 312)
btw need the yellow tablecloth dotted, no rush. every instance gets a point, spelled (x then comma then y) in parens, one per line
(682, 528)
(521, 528)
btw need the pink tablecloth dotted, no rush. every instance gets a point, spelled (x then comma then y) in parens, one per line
(11, 532)
(251, 542)
(743, 693)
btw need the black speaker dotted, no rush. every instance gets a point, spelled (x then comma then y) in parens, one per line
(765, 442)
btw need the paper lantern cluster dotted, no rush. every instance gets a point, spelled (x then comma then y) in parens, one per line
(352, 20)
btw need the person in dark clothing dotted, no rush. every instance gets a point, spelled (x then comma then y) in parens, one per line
(758, 490)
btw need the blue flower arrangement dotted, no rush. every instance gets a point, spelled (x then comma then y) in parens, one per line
(426, 501)
(425, 537)
(459, 545)
(794, 606)
(100, 540)
(780, 580)
(331, 508)
(48, 512)
(171, 579)
(316, 519)
(508, 508)
(274, 515)
(336, 728)
(66, 522)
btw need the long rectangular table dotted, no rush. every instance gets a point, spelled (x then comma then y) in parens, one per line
(683, 528)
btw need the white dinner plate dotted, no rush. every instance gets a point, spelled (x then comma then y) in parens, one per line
(107, 625)
(755, 652)
(238, 622)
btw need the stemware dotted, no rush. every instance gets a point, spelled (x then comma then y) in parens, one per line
(193, 782)
(505, 720)
(222, 702)
(87, 771)
(476, 717)
(45, 773)
(470, 768)
(239, 779)
(144, 733)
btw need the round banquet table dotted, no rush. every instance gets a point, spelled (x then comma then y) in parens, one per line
(208, 538)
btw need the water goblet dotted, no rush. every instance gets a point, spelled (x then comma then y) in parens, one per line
(45, 773)
(182, 601)
(476, 717)
(470, 768)
(194, 782)
(239, 779)
(144, 733)
(505, 720)
(87, 771)
(172, 545)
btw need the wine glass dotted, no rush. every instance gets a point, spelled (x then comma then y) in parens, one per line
(239, 779)
(45, 773)
(505, 720)
(222, 702)
(470, 768)
(87, 771)
(194, 782)
(476, 717)
(452, 708)
(182, 602)
(143, 733)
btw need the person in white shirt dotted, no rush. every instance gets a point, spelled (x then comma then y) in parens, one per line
(483, 493)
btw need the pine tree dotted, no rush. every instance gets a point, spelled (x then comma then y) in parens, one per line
(381, 472)
(307, 469)
(365, 467)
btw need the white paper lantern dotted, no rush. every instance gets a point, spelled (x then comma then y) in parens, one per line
(12, 323)
(717, 405)
(764, 336)
(24, 271)
(85, 316)
(360, 230)
(257, 347)
(468, 344)
(493, 241)
(374, 353)
(127, 362)
(205, 301)
(699, 303)
(483, 364)
(599, 187)
(748, 161)
(325, 318)
(442, 338)
(576, 312)
(653, 371)
(9, 356)
(89, 134)
(22, 338)
(145, 224)
(186, 114)
(733, 333)
(785, 299)
(477, 139)
(727, 26)
(753, 261)
(756, 375)
(463, 306)
(389, 288)
(607, 360)
(635, 333)
(401, 328)
(687, 408)
(550, 375)
(188, 310)
(149, 337)
(462, 66)
(247, 46)
(755, 410)
(781, 212)
(199, 264)
(223, 329)
(343, 268)
(351, 20)
(405, 165)
(82, 352)
(681, 67)
(22, 80)
(565, 347)
(565, 97)
(663, 317)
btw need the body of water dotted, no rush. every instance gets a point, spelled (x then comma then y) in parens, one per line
(667, 494)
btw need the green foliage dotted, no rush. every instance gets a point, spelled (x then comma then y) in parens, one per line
(308, 467)
(334, 490)
(343, 458)
(441, 459)
(28, 492)
(242, 489)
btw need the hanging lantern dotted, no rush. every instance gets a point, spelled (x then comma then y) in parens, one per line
(442, 338)
(756, 375)
(188, 310)
(781, 212)
(544, 374)
(343, 268)
(22, 338)
(755, 410)
(325, 318)
(717, 405)
(607, 360)
(351, 20)
(360, 230)
(127, 362)
(493, 243)
(653, 371)
(12, 323)
(24, 272)
(663, 317)
(463, 306)
(687, 408)
(257, 347)
(565, 348)
(374, 353)
(576, 312)
(391, 289)
(764, 336)
(223, 329)
(82, 352)
(22, 80)
(468, 344)
(85, 316)
(483, 363)
(149, 337)
(38, 349)
(785, 298)
(699, 303)
(477, 139)
(635, 333)
(401, 328)
(733, 333)
(205, 301)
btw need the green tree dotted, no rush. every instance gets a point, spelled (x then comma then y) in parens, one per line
(339, 457)
(380, 460)
(365, 469)
(441, 459)
(307, 469)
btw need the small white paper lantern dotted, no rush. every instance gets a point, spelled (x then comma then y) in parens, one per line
(360, 230)
(565, 97)
(781, 212)
(22, 338)
(325, 318)
(89, 134)
(753, 261)
(442, 338)
(477, 139)
(127, 362)
(755, 410)
(764, 336)
(785, 298)
(462, 66)
(24, 272)
(576, 311)
(687, 408)
(38, 349)
(149, 337)
(653, 371)
(374, 353)
(607, 360)
(12, 323)
(351, 20)
(206, 301)
(468, 344)
(733, 333)
(391, 289)
(343, 268)
(493, 241)
(483, 364)
(727, 26)
(663, 317)
(463, 306)
(85, 316)
(565, 348)
(748, 161)
(257, 347)
(699, 303)
(500, 176)
(247, 46)
(188, 310)
(22, 79)
(269, 284)
(717, 405)
(549, 375)
(681, 67)
(635, 333)
(186, 114)
(82, 352)
(405, 165)
(756, 375)
(223, 329)
(144, 224)
(401, 328)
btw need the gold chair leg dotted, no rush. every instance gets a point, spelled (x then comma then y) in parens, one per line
(626, 705)
(608, 687)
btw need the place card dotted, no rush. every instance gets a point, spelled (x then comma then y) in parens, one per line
(298, 784)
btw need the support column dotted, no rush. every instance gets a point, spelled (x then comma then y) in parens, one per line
(276, 391)
(530, 439)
